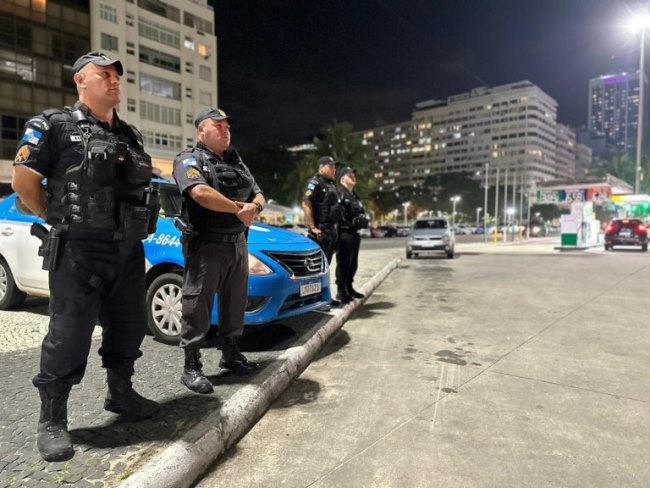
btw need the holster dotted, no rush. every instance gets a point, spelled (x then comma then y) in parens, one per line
(50, 243)
(135, 221)
(189, 237)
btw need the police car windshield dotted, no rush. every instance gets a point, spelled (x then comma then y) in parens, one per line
(170, 200)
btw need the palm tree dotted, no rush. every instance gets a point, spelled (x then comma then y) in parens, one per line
(295, 181)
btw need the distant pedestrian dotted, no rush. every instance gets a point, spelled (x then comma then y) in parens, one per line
(347, 250)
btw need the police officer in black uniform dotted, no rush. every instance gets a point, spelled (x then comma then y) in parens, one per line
(221, 201)
(347, 250)
(321, 206)
(100, 204)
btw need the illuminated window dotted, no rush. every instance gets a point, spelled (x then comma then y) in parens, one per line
(203, 51)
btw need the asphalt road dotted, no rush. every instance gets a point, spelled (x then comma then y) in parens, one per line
(509, 366)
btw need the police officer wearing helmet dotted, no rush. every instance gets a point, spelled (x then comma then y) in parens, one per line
(347, 250)
(321, 206)
(221, 200)
(100, 204)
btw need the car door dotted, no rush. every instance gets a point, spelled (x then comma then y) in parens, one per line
(20, 248)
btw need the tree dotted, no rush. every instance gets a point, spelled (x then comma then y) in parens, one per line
(340, 141)
(294, 183)
(271, 165)
(616, 163)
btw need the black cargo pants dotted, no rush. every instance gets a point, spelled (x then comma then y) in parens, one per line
(347, 258)
(327, 241)
(93, 281)
(214, 267)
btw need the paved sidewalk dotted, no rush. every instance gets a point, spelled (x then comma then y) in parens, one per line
(108, 450)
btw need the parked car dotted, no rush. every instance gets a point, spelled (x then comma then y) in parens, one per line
(301, 229)
(389, 230)
(403, 230)
(377, 232)
(626, 232)
(365, 232)
(288, 273)
(431, 235)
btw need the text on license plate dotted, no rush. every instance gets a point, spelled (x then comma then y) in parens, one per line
(310, 289)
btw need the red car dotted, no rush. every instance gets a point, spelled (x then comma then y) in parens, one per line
(626, 232)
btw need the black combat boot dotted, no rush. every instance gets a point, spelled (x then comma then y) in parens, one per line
(123, 399)
(342, 295)
(53, 440)
(193, 376)
(233, 360)
(354, 293)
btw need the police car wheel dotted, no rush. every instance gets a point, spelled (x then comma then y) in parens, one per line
(10, 295)
(164, 308)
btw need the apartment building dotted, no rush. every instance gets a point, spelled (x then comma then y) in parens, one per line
(614, 108)
(168, 49)
(512, 127)
(169, 52)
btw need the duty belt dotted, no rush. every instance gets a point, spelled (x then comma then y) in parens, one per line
(218, 237)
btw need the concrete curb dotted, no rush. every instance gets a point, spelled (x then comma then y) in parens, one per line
(180, 464)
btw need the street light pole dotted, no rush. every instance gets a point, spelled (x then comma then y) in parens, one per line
(454, 200)
(485, 202)
(639, 126)
(478, 212)
(406, 206)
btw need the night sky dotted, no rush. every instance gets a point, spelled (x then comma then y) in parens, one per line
(288, 67)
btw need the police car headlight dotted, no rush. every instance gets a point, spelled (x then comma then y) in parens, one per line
(257, 267)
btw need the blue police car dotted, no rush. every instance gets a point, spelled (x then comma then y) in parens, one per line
(288, 273)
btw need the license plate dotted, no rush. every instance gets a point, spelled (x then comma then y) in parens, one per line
(310, 289)
(625, 233)
(428, 244)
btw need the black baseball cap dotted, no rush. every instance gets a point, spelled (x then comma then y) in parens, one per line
(210, 113)
(100, 59)
(327, 160)
(346, 170)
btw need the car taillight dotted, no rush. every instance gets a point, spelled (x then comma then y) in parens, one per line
(611, 229)
(641, 229)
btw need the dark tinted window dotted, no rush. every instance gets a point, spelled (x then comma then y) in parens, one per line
(430, 224)
(170, 200)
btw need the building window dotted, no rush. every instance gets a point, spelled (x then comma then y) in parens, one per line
(108, 42)
(106, 12)
(189, 118)
(160, 87)
(130, 105)
(129, 20)
(160, 59)
(204, 51)
(189, 67)
(130, 48)
(188, 93)
(201, 25)
(205, 73)
(205, 98)
(156, 32)
(157, 140)
(130, 76)
(189, 43)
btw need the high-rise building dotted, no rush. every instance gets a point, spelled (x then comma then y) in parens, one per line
(168, 49)
(614, 108)
(512, 126)
(566, 153)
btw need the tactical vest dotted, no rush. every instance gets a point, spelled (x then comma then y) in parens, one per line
(231, 179)
(107, 190)
(327, 210)
(354, 215)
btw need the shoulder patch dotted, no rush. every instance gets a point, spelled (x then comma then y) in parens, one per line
(38, 123)
(32, 136)
(191, 161)
(193, 173)
(311, 186)
(22, 155)
(308, 193)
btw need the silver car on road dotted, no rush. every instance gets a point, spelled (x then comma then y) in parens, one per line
(431, 235)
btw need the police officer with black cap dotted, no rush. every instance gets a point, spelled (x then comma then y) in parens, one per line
(321, 206)
(221, 200)
(100, 204)
(347, 250)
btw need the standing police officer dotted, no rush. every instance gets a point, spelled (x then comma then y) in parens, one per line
(221, 201)
(347, 251)
(321, 206)
(100, 206)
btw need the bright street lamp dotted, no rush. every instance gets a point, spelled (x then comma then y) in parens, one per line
(455, 199)
(406, 206)
(478, 212)
(640, 22)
